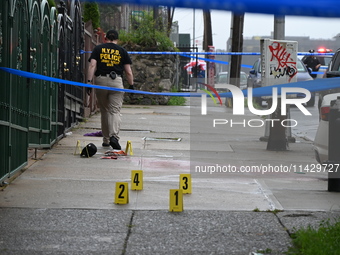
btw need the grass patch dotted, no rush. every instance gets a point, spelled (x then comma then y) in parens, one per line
(176, 101)
(324, 240)
(275, 211)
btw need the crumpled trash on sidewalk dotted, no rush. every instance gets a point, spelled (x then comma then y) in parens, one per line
(97, 134)
(113, 153)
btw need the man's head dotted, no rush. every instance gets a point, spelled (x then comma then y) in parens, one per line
(112, 35)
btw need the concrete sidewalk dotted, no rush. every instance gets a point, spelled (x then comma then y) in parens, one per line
(64, 204)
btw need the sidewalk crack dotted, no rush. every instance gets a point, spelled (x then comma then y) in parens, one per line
(128, 233)
(284, 227)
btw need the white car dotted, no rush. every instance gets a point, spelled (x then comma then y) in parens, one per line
(222, 79)
(321, 137)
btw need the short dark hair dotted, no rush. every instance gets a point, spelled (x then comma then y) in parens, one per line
(112, 35)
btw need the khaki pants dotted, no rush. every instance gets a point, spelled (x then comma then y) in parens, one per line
(110, 102)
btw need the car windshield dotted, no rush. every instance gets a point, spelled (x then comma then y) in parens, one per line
(243, 78)
(222, 78)
(300, 66)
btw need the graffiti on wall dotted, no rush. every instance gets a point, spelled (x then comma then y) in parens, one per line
(281, 62)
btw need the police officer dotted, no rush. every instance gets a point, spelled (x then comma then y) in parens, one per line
(313, 63)
(108, 62)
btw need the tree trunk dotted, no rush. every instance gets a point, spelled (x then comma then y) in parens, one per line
(207, 37)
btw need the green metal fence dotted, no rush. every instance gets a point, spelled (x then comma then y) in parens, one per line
(40, 62)
(33, 112)
(14, 96)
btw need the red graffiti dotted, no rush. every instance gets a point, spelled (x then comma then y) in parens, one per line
(285, 63)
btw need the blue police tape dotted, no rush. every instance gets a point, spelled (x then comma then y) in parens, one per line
(296, 7)
(316, 54)
(74, 83)
(183, 53)
(216, 61)
(242, 65)
(208, 53)
(313, 86)
(188, 54)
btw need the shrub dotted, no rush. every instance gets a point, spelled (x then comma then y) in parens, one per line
(91, 12)
(144, 34)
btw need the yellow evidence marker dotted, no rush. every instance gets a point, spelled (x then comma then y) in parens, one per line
(122, 193)
(128, 148)
(137, 179)
(176, 200)
(78, 146)
(185, 183)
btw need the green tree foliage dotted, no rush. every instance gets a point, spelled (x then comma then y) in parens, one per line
(91, 12)
(145, 34)
(51, 3)
(107, 16)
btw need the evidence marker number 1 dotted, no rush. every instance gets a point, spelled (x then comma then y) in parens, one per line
(176, 200)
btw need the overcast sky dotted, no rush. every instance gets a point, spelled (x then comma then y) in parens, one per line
(255, 25)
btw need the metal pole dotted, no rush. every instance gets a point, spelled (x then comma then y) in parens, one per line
(279, 27)
(229, 45)
(193, 29)
(277, 140)
(236, 46)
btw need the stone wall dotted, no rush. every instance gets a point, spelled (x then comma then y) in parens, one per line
(154, 73)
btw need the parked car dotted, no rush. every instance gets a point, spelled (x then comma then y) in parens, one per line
(325, 98)
(321, 137)
(323, 59)
(222, 78)
(332, 71)
(254, 79)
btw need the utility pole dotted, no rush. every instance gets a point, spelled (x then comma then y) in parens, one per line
(236, 46)
(207, 46)
(277, 140)
(193, 28)
(207, 36)
(279, 27)
(236, 34)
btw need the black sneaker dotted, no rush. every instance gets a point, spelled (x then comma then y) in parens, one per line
(105, 144)
(114, 143)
